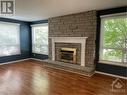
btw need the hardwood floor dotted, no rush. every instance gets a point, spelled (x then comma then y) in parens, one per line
(32, 78)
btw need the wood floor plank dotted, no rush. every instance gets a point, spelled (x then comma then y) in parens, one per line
(32, 78)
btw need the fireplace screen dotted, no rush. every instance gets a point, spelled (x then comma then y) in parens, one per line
(68, 55)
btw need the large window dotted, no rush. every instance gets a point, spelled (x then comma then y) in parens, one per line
(113, 45)
(40, 39)
(9, 39)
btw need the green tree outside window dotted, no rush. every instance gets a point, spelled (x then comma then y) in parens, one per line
(114, 47)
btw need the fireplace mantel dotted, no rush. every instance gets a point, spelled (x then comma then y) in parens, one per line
(81, 40)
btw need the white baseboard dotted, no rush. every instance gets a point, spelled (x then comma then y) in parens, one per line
(36, 59)
(117, 76)
(14, 61)
(20, 61)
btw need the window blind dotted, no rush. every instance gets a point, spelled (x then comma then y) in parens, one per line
(40, 39)
(9, 39)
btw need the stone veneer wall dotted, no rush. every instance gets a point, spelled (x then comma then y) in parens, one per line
(76, 25)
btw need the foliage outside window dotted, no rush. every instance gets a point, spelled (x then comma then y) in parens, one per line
(40, 39)
(113, 45)
(9, 39)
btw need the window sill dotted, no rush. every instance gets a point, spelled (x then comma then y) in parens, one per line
(113, 63)
(11, 55)
(39, 53)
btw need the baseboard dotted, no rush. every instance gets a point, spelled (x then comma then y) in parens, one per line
(117, 76)
(36, 59)
(20, 61)
(14, 61)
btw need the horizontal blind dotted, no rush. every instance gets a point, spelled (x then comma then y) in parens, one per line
(40, 39)
(113, 46)
(9, 39)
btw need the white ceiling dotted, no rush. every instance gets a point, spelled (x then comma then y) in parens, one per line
(33, 10)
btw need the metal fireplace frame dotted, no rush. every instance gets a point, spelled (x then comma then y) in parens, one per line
(66, 51)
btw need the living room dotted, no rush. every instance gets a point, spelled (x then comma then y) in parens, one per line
(53, 47)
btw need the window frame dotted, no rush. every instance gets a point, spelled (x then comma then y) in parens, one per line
(101, 46)
(32, 28)
(18, 30)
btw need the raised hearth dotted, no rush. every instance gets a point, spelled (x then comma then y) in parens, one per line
(86, 71)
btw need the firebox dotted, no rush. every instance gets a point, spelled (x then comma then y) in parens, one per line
(68, 55)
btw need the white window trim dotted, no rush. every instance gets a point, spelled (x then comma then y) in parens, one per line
(36, 25)
(101, 40)
(113, 15)
(112, 63)
(11, 23)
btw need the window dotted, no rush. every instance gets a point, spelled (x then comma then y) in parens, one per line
(9, 39)
(40, 39)
(113, 45)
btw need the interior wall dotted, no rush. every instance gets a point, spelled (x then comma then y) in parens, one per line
(24, 41)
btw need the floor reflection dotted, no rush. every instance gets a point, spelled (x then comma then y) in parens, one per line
(11, 81)
(40, 82)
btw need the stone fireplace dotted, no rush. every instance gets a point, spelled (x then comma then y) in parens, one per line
(73, 31)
